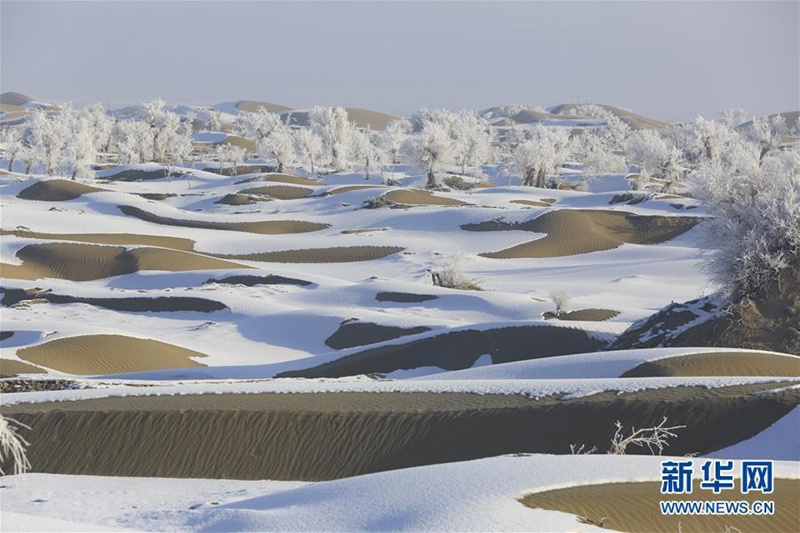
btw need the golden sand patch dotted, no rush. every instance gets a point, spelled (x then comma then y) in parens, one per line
(419, 197)
(11, 367)
(264, 227)
(573, 232)
(634, 506)
(176, 243)
(56, 190)
(743, 363)
(338, 254)
(84, 262)
(350, 188)
(108, 354)
(280, 192)
(531, 203)
(276, 177)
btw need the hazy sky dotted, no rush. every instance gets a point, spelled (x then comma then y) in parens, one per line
(670, 60)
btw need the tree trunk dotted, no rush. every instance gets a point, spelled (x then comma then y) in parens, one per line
(529, 175)
(11, 164)
(280, 167)
(431, 179)
(366, 169)
(541, 178)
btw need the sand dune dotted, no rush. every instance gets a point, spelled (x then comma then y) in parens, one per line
(84, 262)
(335, 435)
(351, 188)
(265, 227)
(251, 281)
(720, 364)
(589, 315)
(281, 178)
(177, 243)
(339, 254)
(56, 190)
(108, 354)
(252, 106)
(404, 297)
(532, 203)
(634, 506)
(419, 197)
(458, 350)
(363, 118)
(11, 367)
(281, 192)
(136, 304)
(128, 174)
(241, 199)
(573, 232)
(351, 334)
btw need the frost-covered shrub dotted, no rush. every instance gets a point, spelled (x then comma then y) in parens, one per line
(12, 446)
(755, 232)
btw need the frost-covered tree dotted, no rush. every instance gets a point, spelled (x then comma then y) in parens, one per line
(710, 138)
(393, 137)
(134, 141)
(80, 148)
(541, 154)
(768, 133)
(334, 127)
(733, 117)
(364, 149)
(11, 139)
(647, 150)
(430, 149)
(215, 120)
(48, 135)
(230, 154)
(589, 148)
(755, 232)
(100, 124)
(257, 125)
(278, 145)
(308, 147)
(472, 139)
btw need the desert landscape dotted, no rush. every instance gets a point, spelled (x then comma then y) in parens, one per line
(249, 317)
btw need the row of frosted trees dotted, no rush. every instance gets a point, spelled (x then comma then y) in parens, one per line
(70, 141)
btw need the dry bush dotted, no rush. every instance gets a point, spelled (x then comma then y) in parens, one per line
(449, 274)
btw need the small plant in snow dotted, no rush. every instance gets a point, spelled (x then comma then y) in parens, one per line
(560, 299)
(654, 438)
(449, 274)
(12, 445)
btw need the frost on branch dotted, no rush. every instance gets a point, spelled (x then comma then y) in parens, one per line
(12, 445)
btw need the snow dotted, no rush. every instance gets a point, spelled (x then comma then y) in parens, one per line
(479, 495)
(536, 388)
(779, 441)
(211, 137)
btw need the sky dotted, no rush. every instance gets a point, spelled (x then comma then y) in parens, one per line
(671, 60)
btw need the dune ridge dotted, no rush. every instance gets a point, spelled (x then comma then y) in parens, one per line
(56, 190)
(335, 435)
(458, 350)
(263, 227)
(86, 262)
(86, 355)
(574, 232)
